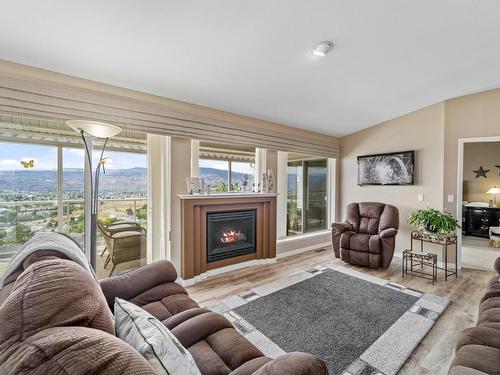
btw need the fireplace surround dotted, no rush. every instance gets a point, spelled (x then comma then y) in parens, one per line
(248, 244)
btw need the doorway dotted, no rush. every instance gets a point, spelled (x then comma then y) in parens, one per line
(478, 175)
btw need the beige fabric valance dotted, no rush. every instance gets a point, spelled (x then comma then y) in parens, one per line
(47, 100)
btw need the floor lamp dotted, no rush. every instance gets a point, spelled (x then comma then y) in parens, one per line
(96, 130)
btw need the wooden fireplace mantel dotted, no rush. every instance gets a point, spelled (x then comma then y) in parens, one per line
(194, 210)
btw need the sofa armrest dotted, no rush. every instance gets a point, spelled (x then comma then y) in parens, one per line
(387, 233)
(497, 265)
(135, 282)
(337, 230)
(294, 364)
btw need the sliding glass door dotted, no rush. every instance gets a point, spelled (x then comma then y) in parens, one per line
(307, 195)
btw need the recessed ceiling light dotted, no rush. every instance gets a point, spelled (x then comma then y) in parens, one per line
(322, 48)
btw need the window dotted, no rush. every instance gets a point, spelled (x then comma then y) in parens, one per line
(306, 195)
(122, 198)
(31, 202)
(28, 195)
(227, 169)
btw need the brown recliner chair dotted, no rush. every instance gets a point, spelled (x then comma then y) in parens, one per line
(368, 236)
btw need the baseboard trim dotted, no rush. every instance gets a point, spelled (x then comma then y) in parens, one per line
(303, 250)
(218, 271)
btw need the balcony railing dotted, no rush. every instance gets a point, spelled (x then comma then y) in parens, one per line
(19, 220)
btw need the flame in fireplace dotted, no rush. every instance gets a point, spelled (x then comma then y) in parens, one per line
(232, 236)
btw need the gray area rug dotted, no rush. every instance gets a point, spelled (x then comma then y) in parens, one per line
(358, 323)
(333, 315)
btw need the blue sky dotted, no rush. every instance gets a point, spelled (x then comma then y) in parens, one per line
(45, 157)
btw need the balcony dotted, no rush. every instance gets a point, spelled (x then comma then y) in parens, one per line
(20, 220)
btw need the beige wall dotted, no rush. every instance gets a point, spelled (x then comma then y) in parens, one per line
(476, 115)
(422, 131)
(487, 155)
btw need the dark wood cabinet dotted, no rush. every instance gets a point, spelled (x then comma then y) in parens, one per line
(478, 220)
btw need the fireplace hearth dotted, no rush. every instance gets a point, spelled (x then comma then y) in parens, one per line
(230, 234)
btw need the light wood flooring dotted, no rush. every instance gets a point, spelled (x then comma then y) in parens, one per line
(434, 354)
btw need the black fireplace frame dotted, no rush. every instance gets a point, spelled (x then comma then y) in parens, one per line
(230, 251)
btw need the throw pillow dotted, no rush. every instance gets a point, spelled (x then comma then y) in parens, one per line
(153, 340)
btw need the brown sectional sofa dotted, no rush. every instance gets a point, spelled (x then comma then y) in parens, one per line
(56, 319)
(478, 349)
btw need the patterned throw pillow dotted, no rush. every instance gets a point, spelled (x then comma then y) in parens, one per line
(153, 340)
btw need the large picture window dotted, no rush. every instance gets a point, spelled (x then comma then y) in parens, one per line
(307, 195)
(42, 190)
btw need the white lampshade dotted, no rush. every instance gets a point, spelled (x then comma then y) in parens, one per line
(493, 190)
(94, 128)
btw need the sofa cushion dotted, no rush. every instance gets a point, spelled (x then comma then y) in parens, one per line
(492, 288)
(484, 336)
(153, 340)
(75, 351)
(137, 281)
(461, 370)
(489, 311)
(215, 345)
(42, 320)
(478, 357)
(53, 293)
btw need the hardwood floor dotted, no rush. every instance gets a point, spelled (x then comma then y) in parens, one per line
(434, 354)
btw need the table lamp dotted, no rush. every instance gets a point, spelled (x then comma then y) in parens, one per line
(494, 191)
(98, 130)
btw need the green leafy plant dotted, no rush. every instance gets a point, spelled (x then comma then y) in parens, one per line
(434, 220)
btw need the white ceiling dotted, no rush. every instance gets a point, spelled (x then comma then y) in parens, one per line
(254, 57)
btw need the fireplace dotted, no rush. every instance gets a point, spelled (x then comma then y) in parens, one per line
(230, 234)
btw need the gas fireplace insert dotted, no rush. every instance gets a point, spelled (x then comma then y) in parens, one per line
(230, 234)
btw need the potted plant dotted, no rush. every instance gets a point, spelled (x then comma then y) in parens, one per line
(434, 221)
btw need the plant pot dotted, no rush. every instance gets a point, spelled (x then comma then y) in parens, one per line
(428, 228)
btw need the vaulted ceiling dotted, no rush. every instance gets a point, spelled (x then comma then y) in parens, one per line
(254, 57)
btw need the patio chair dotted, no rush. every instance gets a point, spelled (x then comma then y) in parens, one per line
(119, 226)
(123, 246)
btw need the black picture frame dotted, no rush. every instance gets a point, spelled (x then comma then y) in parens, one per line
(393, 168)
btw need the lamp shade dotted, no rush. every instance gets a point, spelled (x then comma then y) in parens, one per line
(94, 128)
(493, 190)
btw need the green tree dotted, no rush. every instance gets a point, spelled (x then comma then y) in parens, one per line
(23, 233)
(3, 233)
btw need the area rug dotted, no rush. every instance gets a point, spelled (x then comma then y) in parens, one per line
(358, 323)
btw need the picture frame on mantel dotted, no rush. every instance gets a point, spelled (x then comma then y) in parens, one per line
(194, 185)
(394, 168)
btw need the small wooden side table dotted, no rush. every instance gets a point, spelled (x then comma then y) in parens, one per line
(440, 239)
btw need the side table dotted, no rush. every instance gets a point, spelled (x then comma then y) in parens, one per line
(440, 239)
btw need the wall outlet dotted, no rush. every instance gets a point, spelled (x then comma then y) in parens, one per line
(451, 198)
(420, 197)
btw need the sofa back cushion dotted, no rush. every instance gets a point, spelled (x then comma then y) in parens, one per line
(51, 293)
